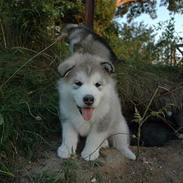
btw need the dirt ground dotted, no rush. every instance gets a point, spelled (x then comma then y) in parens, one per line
(154, 165)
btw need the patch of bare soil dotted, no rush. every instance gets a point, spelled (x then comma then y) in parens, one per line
(154, 165)
(158, 164)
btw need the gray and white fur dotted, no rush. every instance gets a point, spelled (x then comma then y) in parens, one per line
(82, 39)
(90, 107)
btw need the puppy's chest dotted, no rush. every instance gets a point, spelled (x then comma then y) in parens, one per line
(84, 129)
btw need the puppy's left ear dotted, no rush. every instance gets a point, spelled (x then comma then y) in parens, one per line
(108, 67)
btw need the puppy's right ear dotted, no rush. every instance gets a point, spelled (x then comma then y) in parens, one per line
(65, 68)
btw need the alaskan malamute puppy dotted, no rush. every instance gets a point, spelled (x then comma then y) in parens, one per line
(90, 107)
(82, 39)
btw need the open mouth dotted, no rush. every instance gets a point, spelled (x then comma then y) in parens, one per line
(86, 112)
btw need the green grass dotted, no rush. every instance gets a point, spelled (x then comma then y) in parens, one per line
(28, 105)
(73, 171)
(46, 178)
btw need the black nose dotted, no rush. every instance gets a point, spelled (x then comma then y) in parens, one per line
(88, 99)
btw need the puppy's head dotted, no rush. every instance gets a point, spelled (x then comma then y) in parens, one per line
(88, 78)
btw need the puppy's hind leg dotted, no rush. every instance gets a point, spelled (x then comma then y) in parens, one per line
(120, 140)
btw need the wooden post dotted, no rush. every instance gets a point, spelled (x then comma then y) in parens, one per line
(90, 4)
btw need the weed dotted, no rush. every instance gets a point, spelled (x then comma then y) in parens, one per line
(148, 113)
(5, 171)
(141, 120)
(68, 174)
(28, 108)
(45, 177)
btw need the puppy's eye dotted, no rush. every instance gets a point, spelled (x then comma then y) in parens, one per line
(78, 83)
(98, 84)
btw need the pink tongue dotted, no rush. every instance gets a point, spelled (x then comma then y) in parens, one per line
(87, 113)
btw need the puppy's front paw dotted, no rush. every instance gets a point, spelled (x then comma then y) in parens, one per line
(63, 152)
(90, 156)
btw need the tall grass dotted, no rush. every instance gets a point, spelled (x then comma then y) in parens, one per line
(28, 107)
